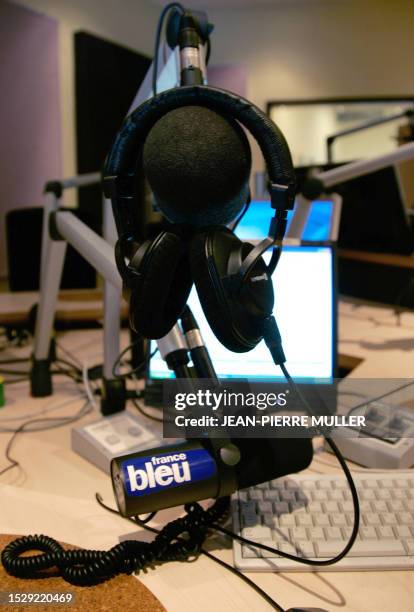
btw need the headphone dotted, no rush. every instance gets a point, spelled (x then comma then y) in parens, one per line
(232, 280)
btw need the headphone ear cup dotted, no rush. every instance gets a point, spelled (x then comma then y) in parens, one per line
(163, 284)
(237, 320)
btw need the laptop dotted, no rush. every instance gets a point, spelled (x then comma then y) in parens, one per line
(305, 308)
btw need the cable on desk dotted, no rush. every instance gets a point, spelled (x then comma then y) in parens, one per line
(142, 411)
(380, 397)
(135, 370)
(273, 342)
(354, 495)
(45, 410)
(69, 354)
(14, 360)
(203, 551)
(8, 372)
(57, 422)
(153, 417)
(82, 567)
(13, 381)
(71, 369)
(26, 377)
(90, 567)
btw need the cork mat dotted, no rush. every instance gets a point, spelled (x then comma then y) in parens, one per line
(124, 593)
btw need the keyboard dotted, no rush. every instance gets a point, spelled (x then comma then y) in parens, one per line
(312, 516)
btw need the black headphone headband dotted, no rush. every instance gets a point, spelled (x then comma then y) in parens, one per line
(121, 164)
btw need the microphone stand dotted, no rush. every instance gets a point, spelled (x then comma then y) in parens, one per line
(61, 227)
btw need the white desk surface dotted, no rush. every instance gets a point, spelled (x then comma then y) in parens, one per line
(53, 491)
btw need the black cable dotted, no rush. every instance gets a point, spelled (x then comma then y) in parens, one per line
(73, 366)
(274, 341)
(13, 372)
(245, 579)
(240, 217)
(203, 551)
(398, 307)
(142, 411)
(164, 12)
(208, 51)
(274, 260)
(73, 373)
(317, 562)
(13, 381)
(26, 374)
(83, 567)
(147, 519)
(90, 567)
(195, 523)
(380, 397)
(58, 421)
(14, 360)
(138, 368)
(137, 519)
(119, 358)
(69, 354)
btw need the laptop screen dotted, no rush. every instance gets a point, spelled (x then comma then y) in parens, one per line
(305, 311)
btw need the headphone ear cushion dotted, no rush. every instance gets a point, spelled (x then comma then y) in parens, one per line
(210, 302)
(236, 322)
(164, 284)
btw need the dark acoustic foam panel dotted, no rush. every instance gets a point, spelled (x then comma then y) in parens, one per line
(107, 77)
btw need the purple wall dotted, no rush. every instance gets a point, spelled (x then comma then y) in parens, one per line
(229, 76)
(30, 122)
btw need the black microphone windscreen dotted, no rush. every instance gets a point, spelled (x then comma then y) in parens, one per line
(197, 163)
(267, 459)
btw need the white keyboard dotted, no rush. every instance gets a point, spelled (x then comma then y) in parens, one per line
(312, 516)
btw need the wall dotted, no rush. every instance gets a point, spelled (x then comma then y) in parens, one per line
(128, 22)
(30, 119)
(307, 127)
(295, 49)
(319, 49)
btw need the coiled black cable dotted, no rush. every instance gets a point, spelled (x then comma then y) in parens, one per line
(90, 567)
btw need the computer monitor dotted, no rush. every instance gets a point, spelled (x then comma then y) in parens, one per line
(305, 308)
(373, 215)
(375, 209)
(321, 224)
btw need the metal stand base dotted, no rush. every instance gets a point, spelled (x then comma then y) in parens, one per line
(40, 378)
(99, 252)
(113, 396)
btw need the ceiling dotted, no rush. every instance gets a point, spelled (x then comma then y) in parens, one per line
(206, 4)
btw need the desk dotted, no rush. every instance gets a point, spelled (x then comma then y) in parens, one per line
(373, 334)
(53, 493)
(73, 305)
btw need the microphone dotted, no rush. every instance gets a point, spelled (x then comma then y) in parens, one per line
(188, 471)
(190, 60)
(198, 351)
(197, 163)
(169, 476)
(174, 351)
